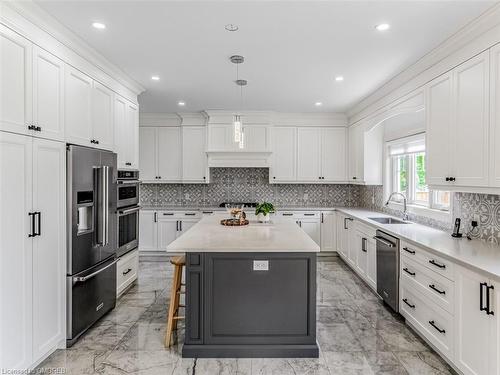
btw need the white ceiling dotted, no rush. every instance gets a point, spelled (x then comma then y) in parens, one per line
(293, 50)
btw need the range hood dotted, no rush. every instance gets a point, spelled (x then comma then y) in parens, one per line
(239, 159)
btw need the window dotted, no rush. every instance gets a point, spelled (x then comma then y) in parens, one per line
(407, 163)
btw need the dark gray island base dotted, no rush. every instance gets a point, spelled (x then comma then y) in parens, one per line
(235, 308)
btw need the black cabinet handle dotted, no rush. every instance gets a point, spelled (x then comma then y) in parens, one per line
(127, 271)
(127, 163)
(274, 178)
(177, 225)
(488, 311)
(287, 214)
(189, 213)
(433, 323)
(452, 179)
(31, 127)
(345, 222)
(39, 222)
(408, 303)
(409, 251)
(32, 215)
(155, 217)
(309, 214)
(433, 287)
(168, 214)
(409, 272)
(38, 128)
(434, 263)
(447, 179)
(322, 218)
(481, 294)
(354, 178)
(363, 245)
(208, 212)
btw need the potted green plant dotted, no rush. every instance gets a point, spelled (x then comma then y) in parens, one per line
(262, 210)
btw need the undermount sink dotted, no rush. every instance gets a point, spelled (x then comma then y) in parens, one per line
(388, 220)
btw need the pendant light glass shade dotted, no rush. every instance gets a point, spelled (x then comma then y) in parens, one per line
(241, 144)
(237, 128)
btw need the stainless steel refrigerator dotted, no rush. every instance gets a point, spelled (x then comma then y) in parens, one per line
(92, 238)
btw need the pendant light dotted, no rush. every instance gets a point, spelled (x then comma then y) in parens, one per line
(239, 133)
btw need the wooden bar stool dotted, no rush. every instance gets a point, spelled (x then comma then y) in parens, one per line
(175, 294)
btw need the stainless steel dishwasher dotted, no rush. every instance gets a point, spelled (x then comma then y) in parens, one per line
(388, 269)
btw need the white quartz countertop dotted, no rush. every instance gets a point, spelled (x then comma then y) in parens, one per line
(475, 254)
(208, 235)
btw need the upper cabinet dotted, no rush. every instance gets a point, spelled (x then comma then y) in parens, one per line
(495, 116)
(221, 138)
(458, 125)
(333, 154)
(365, 154)
(102, 116)
(194, 157)
(284, 157)
(126, 131)
(78, 110)
(308, 154)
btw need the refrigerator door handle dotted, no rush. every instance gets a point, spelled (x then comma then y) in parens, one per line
(106, 204)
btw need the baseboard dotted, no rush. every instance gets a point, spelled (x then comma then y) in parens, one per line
(250, 351)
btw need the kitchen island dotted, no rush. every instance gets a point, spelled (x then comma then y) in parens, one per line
(250, 291)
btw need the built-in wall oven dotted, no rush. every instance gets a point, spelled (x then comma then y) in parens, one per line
(128, 211)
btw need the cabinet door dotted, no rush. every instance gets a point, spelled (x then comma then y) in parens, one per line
(187, 224)
(284, 158)
(342, 238)
(356, 145)
(220, 138)
(255, 138)
(120, 129)
(16, 251)
(360, 248)
(148, 235)
(352, 252)
(48, 94)
(78, 107)
(308, 154)
(371, 267)
(495, 116)
(132, 141)
(169, 154)
(167, 232)
(438, 117)
(102, 116)
(194, 156)
(49, 248)
(148, 164)
(313, 228)
(333, 154)
(470, 127)
(472, 324)
(328, 230)
(15, 82)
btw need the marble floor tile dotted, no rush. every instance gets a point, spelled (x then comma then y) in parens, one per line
(356, 333)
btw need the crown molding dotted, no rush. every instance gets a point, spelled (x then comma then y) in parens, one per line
(27, 19)
(477, 36)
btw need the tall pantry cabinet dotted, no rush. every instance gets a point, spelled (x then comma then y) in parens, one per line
(33, 248)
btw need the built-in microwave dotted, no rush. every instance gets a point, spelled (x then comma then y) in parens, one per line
(127, 188)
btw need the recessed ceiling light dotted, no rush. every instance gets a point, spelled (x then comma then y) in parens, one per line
(231, 27)
(155, 78)
(339, 78)
(99, 25)
(181, 103)
(383, 27)
(318, 104)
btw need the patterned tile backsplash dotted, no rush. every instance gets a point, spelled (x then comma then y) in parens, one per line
(252, 184)
(247, 185)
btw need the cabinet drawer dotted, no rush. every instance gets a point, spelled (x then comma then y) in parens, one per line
(179, 214)
(126, 270)
(435, 287)
(432, 322)
(299, 214)
(434, 262)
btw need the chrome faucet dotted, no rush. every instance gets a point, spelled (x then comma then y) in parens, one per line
(405, 212)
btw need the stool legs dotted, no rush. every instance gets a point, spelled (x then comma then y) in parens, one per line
(173, 308)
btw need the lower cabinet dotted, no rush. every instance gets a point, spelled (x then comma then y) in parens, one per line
(157, 229)
(127, 270)
(364, 249)
(33, 249)
(343, 234)
(328, 231)
(309, 221)
(477, 323)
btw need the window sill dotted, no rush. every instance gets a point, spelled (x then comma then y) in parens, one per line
(423, 211)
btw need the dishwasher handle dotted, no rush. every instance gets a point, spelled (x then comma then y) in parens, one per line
(384, 241)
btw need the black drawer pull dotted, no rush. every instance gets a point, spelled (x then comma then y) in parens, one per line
(409, 251)
(189, 214)
(168, 214)
(434, 263)
(481, 293)
(127, 271)
(208, 212)
(432, 323)
(409, 272)
(287, 214)
(433, 287)
(309, 214)
(408, 303)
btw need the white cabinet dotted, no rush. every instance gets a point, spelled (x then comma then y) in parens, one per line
(148, 230)
(284, 156)
(32, 261)
(48, 95)
(127, 269)
(312, 227)
(309, 221)
(495, 116)
(477, 339)
(308, 154)
(148, 154)
(194, 157)
(168, 228)
(126, 129)
(221, 138)
(365, 250)
(15, 82)
(458, 125)
(102, 117)
(344, 230)
(365, 154)
(78, 107)
(328, 231)
(333, 154)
